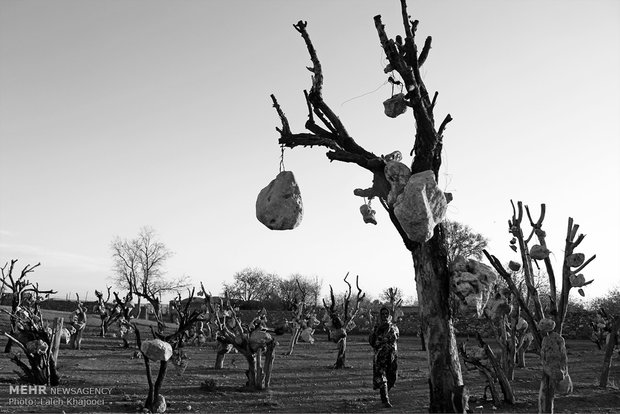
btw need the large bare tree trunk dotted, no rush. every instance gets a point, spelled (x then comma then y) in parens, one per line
(433, 287)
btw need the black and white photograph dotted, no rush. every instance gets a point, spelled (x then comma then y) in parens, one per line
(294, 206)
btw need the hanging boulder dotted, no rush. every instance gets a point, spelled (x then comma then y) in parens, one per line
(420, 206)
(514, 266)
(576, 259)
(577, 280)
(538, 252)
(279, 205)
(546, 325)
(395, 106)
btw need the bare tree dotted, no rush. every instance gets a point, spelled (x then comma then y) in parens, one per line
(394, 297)
(28, 330)
(187, 317)
(546, 328)
(20, 288)
(102, 309)
(139, 266)
(430, 260)
(341, 320)
(254, 341)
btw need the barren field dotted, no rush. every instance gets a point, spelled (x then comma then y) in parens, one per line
(302, 383)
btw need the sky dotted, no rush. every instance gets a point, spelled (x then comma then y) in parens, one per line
(122, 114)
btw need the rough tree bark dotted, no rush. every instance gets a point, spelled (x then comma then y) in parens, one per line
(429, 258)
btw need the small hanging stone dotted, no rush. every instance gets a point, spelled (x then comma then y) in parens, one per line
(368, 214)
(577, 280)
(538, 252)
(514, 266)
(395, 106)
(576, 259)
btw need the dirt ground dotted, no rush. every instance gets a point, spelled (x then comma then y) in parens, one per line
(301, 383)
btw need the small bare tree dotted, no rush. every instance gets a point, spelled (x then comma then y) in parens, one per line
(139, 265)
(187, 317)
(28, 330)
(19, 288)
(342, 321)
(77, 323)
(254, 341)
(546, 328)
(103, 310)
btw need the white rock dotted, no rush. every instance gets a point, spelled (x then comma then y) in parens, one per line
(420, 207)
(156, 349)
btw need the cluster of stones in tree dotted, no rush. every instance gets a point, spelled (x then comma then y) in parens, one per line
(279, 205)
(473, 282)
(555, 361)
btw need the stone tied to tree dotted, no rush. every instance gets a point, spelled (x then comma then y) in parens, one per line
(279, 205)
(473, 282)
(427, 245)
(421, 206)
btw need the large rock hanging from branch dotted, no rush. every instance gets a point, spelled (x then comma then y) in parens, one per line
(395, 106)
(279, 205)
(472, 282)
(156, 349)
(420, 206)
